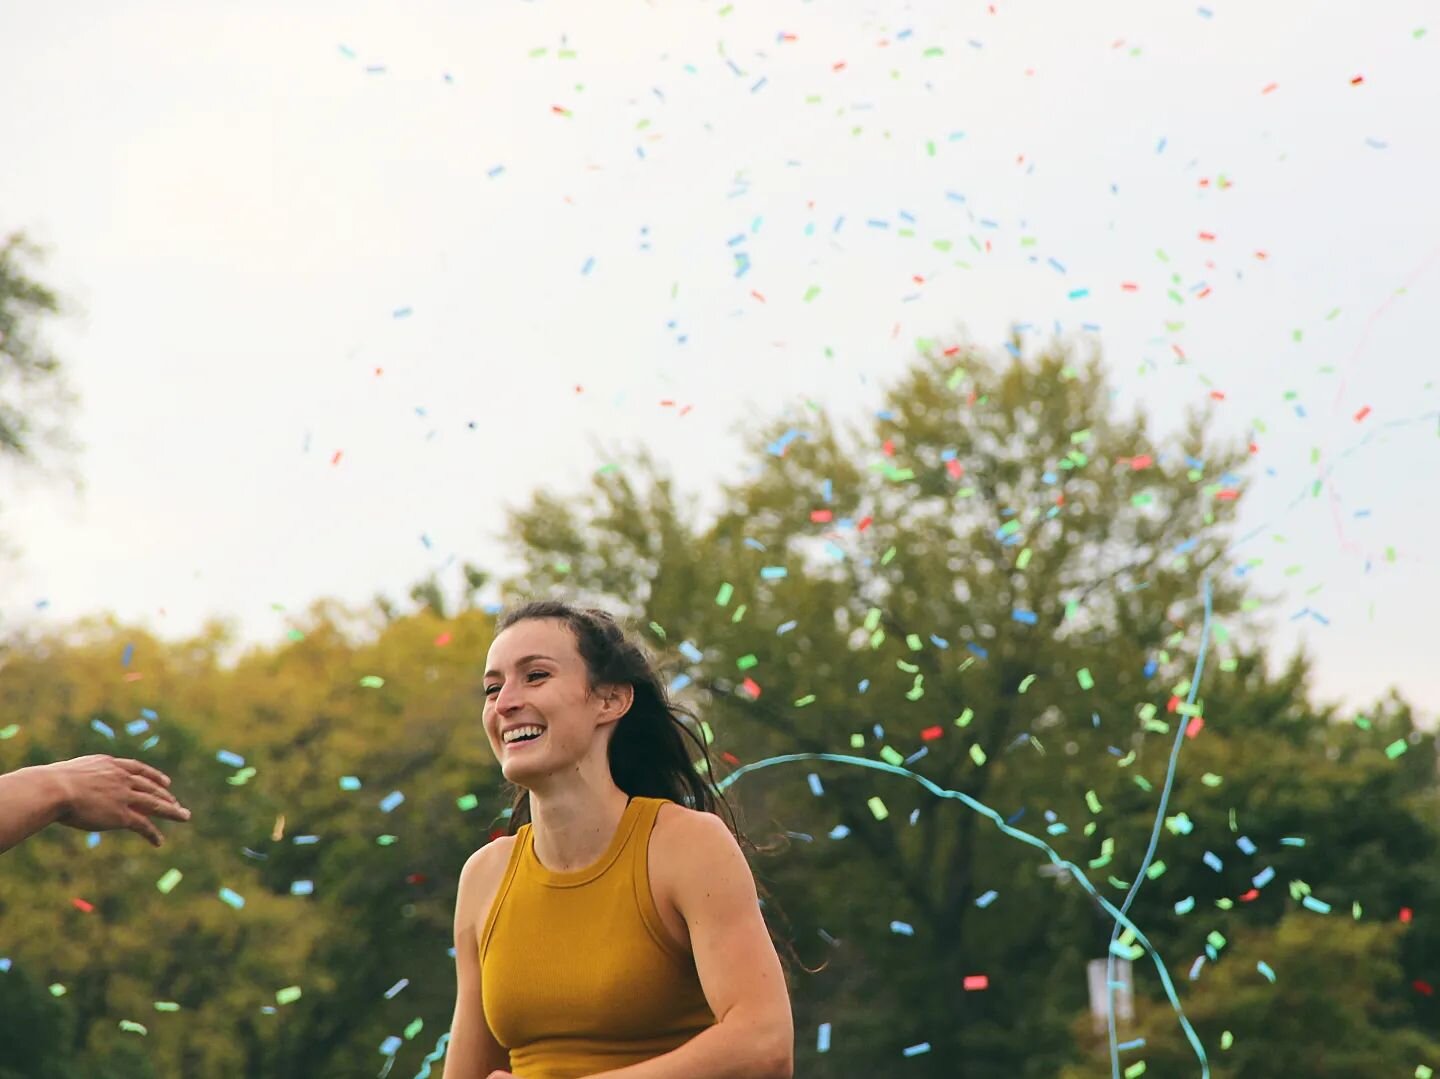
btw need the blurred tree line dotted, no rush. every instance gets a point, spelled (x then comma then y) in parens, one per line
(996, 583)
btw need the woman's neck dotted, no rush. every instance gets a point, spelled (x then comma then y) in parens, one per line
(573, 827)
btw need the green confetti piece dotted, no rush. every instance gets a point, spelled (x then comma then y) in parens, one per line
(1093, 801)
(467, 802)
(372, 681)
(1135, 1070)
(1422, 1072)
(707, 732)
(1355, 911)
(722, 598)
(812, 292)
(1156, 871)
(414, 1027)
(934, 50)
(240, 778)
(167, 883)
(385, 840)
(1025, 682)
(9, 732)
(1024, 560)
(857, 741)
(1215, 939)
(657, 629)
(1226, 1039)
(289, 995)
(131, 1027)
(877, 807)
(913, 640)
(892, 757)
(1143, 784)
(1085, 679)
(57, 990)
(166, 1006)
(809, 698)
(745, 662)
(1395, 748)
(978, 756)
(964, 718)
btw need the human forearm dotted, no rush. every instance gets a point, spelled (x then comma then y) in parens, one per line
(732, 1049)
(30, 799)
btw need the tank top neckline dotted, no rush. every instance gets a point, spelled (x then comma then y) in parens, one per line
(574, 878)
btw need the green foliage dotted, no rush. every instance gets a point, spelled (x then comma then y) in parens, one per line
(950, 572)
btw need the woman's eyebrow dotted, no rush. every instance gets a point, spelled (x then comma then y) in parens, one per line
(520, 663)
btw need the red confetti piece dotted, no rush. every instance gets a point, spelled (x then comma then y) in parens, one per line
(1405, 915)
(1272, 86)
(416, 878)
(1175, 702)
(442, 640)
(976, 981)
(1210, 236)
(1129, 286)
(559, 110)
(1205, 292)
(757, 295)
(751, 688)
(889, 448)
(730, 758)
(1254, 448)
(838, 65)
(1423, 987)
(1195, 726)
(1229, 494)
(1250, 896)
(1362, 413)
(336, 459)
(1144, 460)
(1217, 394)
(822, 517)
(865, 523)
(496, 833)
(955, 468)
(80, 904)
(1357, 80)
(929, 734)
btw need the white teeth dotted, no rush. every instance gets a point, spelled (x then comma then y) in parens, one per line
(510, 736)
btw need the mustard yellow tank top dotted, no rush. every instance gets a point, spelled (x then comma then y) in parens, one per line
(578, 973)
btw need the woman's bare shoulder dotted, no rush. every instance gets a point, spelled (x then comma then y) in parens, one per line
(481, 874)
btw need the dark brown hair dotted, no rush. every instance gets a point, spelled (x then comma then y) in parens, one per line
(649, 756)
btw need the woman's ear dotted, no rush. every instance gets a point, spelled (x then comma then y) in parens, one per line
(619, 699)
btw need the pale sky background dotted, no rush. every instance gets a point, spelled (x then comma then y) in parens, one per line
(238, 198)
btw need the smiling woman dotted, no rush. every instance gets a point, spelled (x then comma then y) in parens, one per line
(616, 930)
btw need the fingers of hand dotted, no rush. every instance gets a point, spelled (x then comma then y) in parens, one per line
(140, 824)
(168, 807)
(141, 769)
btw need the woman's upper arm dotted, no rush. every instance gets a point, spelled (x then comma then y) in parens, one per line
(473, 1052)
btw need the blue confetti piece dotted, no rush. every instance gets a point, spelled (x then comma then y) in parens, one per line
(678, 683)
(402, 312)
(234, 760)
(1027, 617)
(92, 840)
(1292, 841)
(1138, 1043)
(349, 783)
(985, 900)
(758, 85)
(916, 1050)
(785, 627)
(589, 265)
(917, 755)
(772, 573)
(390, 1046)
(1213, 861)
(496, 171)
(136, 726)
(690, 652)
(1265, 969)
(150, 742)
(977, 650)
(401, 984)
(1264, 877)
(102, 728)
(1056, 263)
(149, 713)
(1246, 847)
(822, 1039)
(939, 642)
(864, 685)
(839, 832)
(954, 196)
(1318, 906)
(5, 966)
(302, 887)
(903, 928)
(815, 786)
(390, 801)
(305, 840)
(234, 899)
(128, 654)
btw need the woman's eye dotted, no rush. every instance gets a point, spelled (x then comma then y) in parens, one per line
(489, 690)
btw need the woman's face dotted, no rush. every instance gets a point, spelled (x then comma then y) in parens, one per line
(535, 681)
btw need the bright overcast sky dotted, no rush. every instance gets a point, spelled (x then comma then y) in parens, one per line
(243, 201)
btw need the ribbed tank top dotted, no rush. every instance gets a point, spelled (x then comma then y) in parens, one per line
(578, 973)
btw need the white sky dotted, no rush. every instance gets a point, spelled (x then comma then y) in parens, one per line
(237, 209)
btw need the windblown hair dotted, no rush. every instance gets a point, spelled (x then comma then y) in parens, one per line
(650, 751)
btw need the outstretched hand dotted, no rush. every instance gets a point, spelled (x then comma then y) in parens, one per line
(102, 793)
